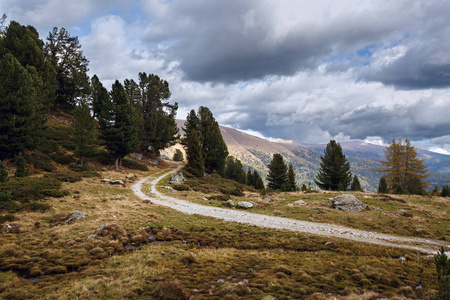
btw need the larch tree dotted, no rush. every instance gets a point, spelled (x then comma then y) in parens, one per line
(334, 172)
(84, 132)
(277, 177)
(403, 170)
(118, 129)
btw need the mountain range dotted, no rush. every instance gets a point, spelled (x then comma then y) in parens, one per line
(256, 153)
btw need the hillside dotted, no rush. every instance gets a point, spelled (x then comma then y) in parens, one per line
(256, 153)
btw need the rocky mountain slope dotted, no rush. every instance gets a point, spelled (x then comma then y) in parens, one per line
(256, 153)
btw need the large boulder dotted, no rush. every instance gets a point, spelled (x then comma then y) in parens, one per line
(348, 202)
(177, 178)
(244, 204)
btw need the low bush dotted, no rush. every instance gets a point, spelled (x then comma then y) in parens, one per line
(65, 176)
(89, 174)
(7, 218)
(42, 161)
(55, 193)
(84, 168)
(181, 187)
(131, 164)
(62, 158)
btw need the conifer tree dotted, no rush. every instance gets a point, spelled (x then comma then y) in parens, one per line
(21, 117)
(24, 44)
(195, 164)
(250, 178)
(84, 132)
(159, 129)
(64, 53)
(356, 185)
(382, 186)
(191, 123)
(403, 170)
(442, 263)
(258, 182)
(21, 167)
(291, 179)
(3, 172)
(435, 192)
(214, 148)
(334, 173)
(99, 96)
(119, 131)
(277, 177)
(178, 155)
(445, 191)
(234, 171)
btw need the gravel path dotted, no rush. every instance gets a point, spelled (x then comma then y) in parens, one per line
(234, 215)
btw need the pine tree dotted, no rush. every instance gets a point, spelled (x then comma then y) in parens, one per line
(99, 96)
(191, 123)
(21, 117)
(445, 191)
(403, 170)
(442, 263)
(84, 132)
(24, 44)
(234, 171)
(119, 132)
(382, 186)
(159, 129)
(291, 179)
(277, 177)
(178, 155)
(195, 164)
(356, 185)
(258, 182)
(64, 53)
(250, 178)
(334, 173)
(214, 148)
(3, 172)
(435, 192)
(21, 167)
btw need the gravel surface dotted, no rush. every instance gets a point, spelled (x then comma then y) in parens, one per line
(234, 215)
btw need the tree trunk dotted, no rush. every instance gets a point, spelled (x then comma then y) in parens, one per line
(116, 163)
(81, 161)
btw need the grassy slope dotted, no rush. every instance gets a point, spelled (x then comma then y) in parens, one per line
(204, 257)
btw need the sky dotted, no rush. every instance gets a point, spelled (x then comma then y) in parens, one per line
(300, 70)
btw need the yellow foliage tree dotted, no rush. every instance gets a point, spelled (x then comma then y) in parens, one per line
(404, 171)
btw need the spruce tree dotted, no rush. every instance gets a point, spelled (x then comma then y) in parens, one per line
(195, 164)
(119, 131)
(291, 179)
(3, 172)
(356, 185)
(21, 116)
(84, 132)
(382, 186)
(277, 177)
(334, 173)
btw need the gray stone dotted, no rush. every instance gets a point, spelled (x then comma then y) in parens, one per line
(298, 203)
(177, 178)
(138, 156)
(244, 204)
(267, 199)
(114, 181)
(205, 199)
(117, 197)
(76, 216)
(106, 180)
(230, 203)
(348, 203)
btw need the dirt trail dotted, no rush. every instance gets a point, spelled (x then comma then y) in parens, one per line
(234, 215)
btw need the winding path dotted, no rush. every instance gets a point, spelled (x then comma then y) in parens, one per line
(234, 215)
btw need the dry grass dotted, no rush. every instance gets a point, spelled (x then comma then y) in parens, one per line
(196, 256)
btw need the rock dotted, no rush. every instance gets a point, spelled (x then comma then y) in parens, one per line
(298, 203)
(348, 203)
(10, 228)
(177, 178)
(105, 180)
(230, 203)
(77, 215)
(117, 197)
(267, 199)
(147, 201)
(205, 199)
(367, 197)
(404, 213)
(138, 156)
(244, 204)
(118, 181)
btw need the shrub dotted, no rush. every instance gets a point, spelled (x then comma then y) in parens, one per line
(181, 187)
(62, 159)
(7, 218)
(131, 164)
(21, 170)
(35, 206)
(171, 290)
(178, 155)
(55, 193)
(84, 168)
(237, 192)
(66, 176)
(42, 161)
(89, 174)
(25, 194)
